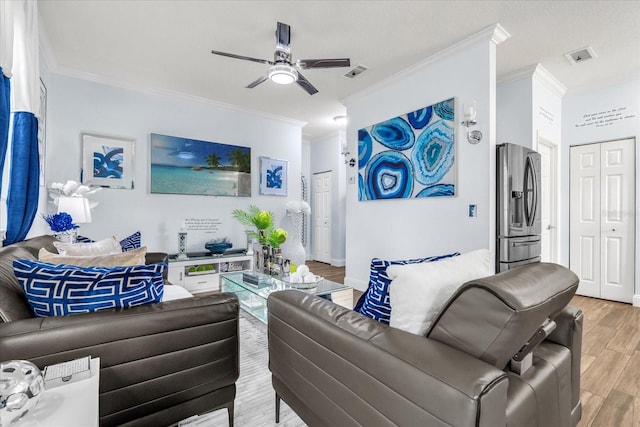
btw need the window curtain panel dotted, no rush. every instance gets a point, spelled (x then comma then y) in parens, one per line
(6, 65)
(5, 111)
(23, 186)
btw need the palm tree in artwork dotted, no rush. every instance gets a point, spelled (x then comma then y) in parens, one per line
(213, 161)
(241, 160)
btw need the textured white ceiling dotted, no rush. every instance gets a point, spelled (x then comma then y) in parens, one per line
(166, 44)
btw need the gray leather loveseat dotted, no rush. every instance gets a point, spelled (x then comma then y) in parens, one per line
(335, 367)
(159, 363)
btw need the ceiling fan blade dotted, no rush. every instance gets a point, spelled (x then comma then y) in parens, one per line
(283, 37)
(305, 64)
(304, 83)
(246, 58)
(257, 82)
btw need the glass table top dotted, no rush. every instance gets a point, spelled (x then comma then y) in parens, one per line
(268, 284)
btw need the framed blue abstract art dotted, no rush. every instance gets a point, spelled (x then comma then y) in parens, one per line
(273, 176)
(107, 161)
(409, 156)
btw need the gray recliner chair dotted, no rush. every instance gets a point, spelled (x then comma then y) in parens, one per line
(504, 351)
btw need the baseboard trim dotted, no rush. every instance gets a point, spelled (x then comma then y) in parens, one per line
(356, 284)
(636, 300)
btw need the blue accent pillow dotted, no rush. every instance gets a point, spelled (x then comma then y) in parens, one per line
(61, 289)
(133, 241)
(375, 303)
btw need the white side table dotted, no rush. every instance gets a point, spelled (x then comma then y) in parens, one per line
(70, 405)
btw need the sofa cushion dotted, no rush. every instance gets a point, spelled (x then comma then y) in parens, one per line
(374, 303)
(134, 241)
(418, 291)
(102, 247)
(54, 290)
(13, 304)
(133, 257)
(493, 317)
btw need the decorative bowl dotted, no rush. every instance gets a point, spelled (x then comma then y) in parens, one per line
(217, 248)
(303, 285)
(21, 385)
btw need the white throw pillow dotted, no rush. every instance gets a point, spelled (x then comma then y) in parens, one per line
(172, 292)
(418, 291)
(102, 247)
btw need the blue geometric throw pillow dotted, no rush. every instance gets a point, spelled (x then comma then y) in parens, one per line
(61, 289)
(375, 302)
(128, 243)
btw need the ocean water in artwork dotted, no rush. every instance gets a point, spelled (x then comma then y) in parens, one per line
(410, 156)
(188, 166)
(184, 180)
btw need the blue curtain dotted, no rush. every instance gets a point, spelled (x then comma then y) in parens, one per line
(22, 202)
(5, 106)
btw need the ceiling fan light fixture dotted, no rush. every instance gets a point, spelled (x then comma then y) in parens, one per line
(283, 74)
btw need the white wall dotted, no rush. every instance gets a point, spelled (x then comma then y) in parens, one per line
(623, 99)
(514, 102)
(325, 157)
(410, 228)
(77, 106)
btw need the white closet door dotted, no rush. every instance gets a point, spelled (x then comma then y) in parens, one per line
(617, 220)
(602, 216)
(584, 212)
(321, 212)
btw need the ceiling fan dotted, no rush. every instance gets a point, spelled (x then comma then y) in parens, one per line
(283, 70)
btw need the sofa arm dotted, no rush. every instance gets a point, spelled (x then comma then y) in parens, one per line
(155, 257)
(568, 333)
(151, 357)
(337, 367)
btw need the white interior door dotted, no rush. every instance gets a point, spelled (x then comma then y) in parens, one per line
(322, 217)
(584, 217)
(617, 219)
(602, 220)
(549, 203)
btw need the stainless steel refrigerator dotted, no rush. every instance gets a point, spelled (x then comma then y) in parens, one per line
(518, 211)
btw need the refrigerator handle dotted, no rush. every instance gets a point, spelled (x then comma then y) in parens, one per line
(530, 209)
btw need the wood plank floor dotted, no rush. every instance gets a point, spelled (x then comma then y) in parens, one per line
(610, 380)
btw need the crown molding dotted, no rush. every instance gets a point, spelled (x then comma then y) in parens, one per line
(493, 33)
(538, 72)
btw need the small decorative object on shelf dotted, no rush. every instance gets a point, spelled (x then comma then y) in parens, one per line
(182, 245)
(218, 246)
(21, 386)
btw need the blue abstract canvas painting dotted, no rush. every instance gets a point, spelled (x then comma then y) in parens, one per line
(107, 161)
(189, 166)
(273, 176)
(409, 156)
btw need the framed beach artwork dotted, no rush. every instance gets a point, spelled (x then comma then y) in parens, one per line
(107, 161)
(410, 156)
(190, 166)
(273, 176)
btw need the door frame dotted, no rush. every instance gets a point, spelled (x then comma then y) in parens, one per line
(554, 244)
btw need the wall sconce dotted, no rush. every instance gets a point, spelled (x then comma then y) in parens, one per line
(469, 112)
(345, 152)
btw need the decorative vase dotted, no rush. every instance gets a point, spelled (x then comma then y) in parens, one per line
(21, 386)
(249, 242)
(68, 236)
(293, 250)
(182, 245)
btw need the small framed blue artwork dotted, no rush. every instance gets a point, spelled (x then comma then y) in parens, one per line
(274, 176)
(409, 156)
(107, 161)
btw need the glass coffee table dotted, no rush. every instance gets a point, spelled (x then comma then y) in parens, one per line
(253, 298)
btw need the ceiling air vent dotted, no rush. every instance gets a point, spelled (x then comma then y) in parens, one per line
(580, 55)
(356, 71)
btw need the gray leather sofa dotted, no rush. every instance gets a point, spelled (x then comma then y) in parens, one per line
(335, 367)
(159, 363)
